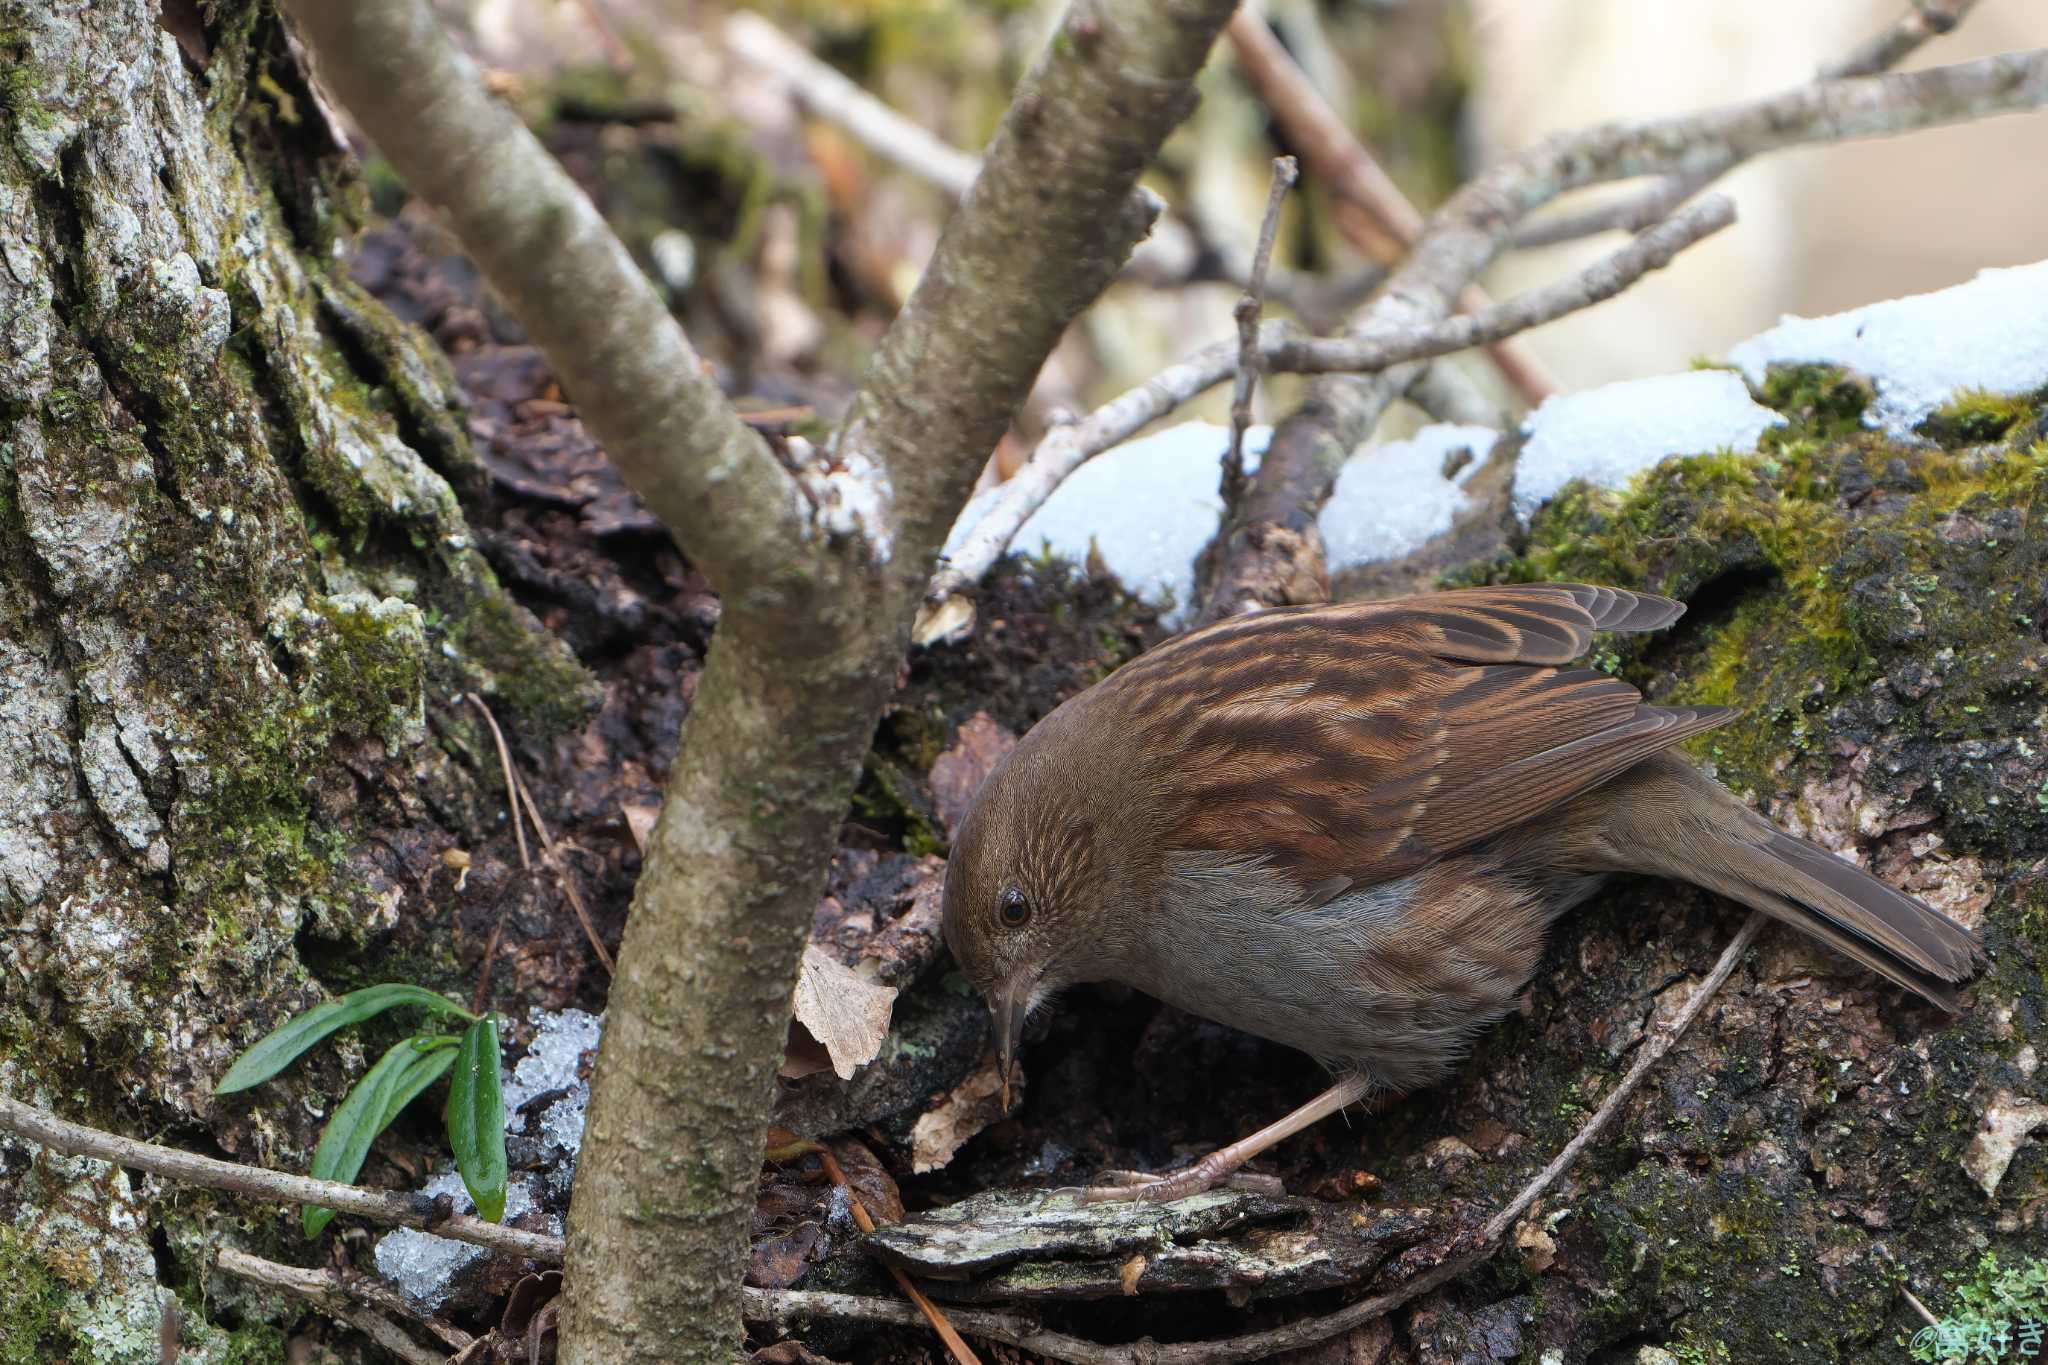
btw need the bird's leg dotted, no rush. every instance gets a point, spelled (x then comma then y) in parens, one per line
(1221, 1167)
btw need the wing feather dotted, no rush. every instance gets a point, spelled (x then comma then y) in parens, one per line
(1354, 743)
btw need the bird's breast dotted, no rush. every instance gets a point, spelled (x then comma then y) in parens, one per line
(1390, 980)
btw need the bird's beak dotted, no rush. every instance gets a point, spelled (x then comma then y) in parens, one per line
(1009, 1004)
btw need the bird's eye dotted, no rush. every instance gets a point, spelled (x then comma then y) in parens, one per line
(1013, 909)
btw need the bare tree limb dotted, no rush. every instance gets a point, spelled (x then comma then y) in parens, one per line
(784, 1307)
(397, 1210)
(537, 237)
(1337, 157)
(1067, 447)
(774, 739)
(1247, 312)
(1924, 20)
(1274, 555)
(361, 1303)
(819, 88)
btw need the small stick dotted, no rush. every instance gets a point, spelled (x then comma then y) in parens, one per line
(278, 1187)
(776, 1306)
(333, 1295)
(1336, 156)
(483, 975)
(1249, 307)
(962, 1353)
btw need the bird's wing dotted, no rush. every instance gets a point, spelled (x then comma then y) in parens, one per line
(1351, 744)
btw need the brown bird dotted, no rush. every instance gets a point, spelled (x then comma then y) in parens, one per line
(1348, 828)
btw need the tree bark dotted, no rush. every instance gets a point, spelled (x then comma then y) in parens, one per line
(235, 589)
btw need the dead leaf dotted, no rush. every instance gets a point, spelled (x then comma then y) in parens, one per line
(869, 1179)
(974, 1104)
(639, 823)
(843, 1010)
(960, 771)
(1538, 1248)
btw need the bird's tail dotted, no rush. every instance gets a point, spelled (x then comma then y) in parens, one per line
(1667, 818)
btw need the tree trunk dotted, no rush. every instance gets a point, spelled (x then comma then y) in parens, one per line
(237, 599)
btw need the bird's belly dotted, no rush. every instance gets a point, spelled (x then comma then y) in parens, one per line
(1392, 981)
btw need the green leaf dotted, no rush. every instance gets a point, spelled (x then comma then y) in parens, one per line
(282, 1046)
(476, 1118)
(385, 1089)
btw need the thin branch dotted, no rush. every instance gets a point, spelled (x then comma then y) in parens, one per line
(1656, 248)
(1447, 394)
(277, 1187)
(482, 995)
(543, 246)
(1926, 19)
(786, 1306)
(1274, 549)
(1338, 158)
(356, 1302)
(820, 89)
(1067, 447)
(1247, 313)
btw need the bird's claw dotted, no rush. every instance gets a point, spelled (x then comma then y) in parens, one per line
(1143, 1187)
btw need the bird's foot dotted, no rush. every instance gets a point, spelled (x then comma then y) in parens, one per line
(1145, 1188)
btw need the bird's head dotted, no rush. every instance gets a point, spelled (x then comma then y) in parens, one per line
(1027, 885)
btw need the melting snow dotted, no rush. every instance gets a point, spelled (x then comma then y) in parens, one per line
(1609, 434)
(1991, 333)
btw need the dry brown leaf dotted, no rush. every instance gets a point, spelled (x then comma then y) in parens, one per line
(843, 1010)
(974, 1104)
(960, 771)
(639, 823)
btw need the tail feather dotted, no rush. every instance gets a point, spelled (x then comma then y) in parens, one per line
(1666, 817)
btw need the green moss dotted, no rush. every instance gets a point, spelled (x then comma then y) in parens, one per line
(1977, 417)
(535, 676)
(1823, 401)
(31, 1306)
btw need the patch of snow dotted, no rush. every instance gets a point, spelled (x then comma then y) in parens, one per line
(425, 1267)
(1390, 500)
(541, 1143)
(1609, 434)
(1147, 507)
(1919, 351)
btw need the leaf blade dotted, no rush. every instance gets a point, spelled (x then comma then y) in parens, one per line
(385, 1089)
(290, 1040)
(476, 1118)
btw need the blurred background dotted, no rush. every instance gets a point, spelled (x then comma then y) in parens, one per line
(787, 244)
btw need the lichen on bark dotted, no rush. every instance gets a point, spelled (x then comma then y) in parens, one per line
(235, 584)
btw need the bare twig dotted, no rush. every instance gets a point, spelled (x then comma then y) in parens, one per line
(1337, 157)
(1448, 395)
(1273, 554)
(1605, 278)
(483, 976)
(1247, 313)
(783, 1306)
(1066, 448)
(956, 1346)
(820, 89)
(359, 1302)
(1924, 20)
(277, 1187)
